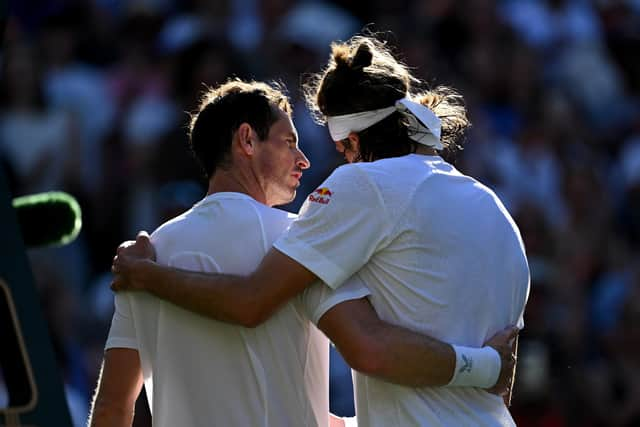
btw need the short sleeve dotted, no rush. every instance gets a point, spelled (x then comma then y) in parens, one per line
(122, 333)
(319, 298)
(340, 226)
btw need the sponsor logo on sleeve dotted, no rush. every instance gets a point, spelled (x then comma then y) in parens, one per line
(321, 195)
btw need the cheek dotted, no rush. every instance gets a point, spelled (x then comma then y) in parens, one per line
(266, 165)
(278, 164)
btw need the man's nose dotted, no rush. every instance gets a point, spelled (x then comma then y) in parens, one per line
(302, 162)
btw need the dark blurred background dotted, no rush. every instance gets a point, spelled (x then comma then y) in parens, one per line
(93, 101)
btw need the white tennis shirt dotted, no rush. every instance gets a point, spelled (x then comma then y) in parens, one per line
(440, 255)
(200, 372)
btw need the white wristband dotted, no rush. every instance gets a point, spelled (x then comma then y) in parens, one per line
(476, 367)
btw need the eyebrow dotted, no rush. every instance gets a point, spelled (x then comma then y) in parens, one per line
(293, 135)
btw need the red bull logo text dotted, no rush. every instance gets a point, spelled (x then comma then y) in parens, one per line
(321, 195)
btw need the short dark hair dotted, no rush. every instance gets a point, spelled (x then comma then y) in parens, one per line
(363, 75)
(223, 109)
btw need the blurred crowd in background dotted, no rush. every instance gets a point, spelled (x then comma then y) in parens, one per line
(94, 100)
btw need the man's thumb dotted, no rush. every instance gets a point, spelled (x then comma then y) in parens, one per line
(142, 236)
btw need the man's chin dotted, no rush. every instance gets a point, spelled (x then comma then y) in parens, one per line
(285, 200)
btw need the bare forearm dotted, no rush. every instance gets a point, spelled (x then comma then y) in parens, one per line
(419, 360)
(218, 296)
(411, 359)
(245, 300)
(380, 349)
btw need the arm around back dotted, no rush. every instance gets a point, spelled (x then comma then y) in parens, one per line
(245, 300)
(392, 353)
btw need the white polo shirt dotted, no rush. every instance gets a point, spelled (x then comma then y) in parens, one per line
(440, 255)
(200, 372)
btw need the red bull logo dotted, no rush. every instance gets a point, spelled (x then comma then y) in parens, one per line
(324, 191)
(321, 195)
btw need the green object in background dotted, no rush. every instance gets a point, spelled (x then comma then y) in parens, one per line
(48, 219)
(33, 380)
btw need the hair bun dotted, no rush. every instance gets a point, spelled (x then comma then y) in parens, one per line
(362, 58)
(342, 62)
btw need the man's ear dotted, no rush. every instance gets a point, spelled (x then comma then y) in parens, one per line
(354, 140)
(245, 138)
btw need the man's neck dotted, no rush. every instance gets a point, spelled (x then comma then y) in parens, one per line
(427, 151)
(229, 181)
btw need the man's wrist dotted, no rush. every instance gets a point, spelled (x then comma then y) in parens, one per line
(475, 367)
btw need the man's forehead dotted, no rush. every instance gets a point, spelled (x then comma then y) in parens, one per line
(292, 127)
(285, 124)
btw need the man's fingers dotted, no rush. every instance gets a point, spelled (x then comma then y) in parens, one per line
(508, 334)
(139, 248)
(511, 362)
(124, 245)
(116, 263)
(117, 284)
(503, 337)
(142, 236)
(119, 281)
(120, 264)
(513, 332)
(504, 342)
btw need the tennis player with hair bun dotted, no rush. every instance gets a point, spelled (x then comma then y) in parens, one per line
(436, 249)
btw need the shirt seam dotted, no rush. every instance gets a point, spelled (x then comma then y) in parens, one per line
(290, 242)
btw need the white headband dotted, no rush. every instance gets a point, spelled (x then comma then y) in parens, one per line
(424, 125)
